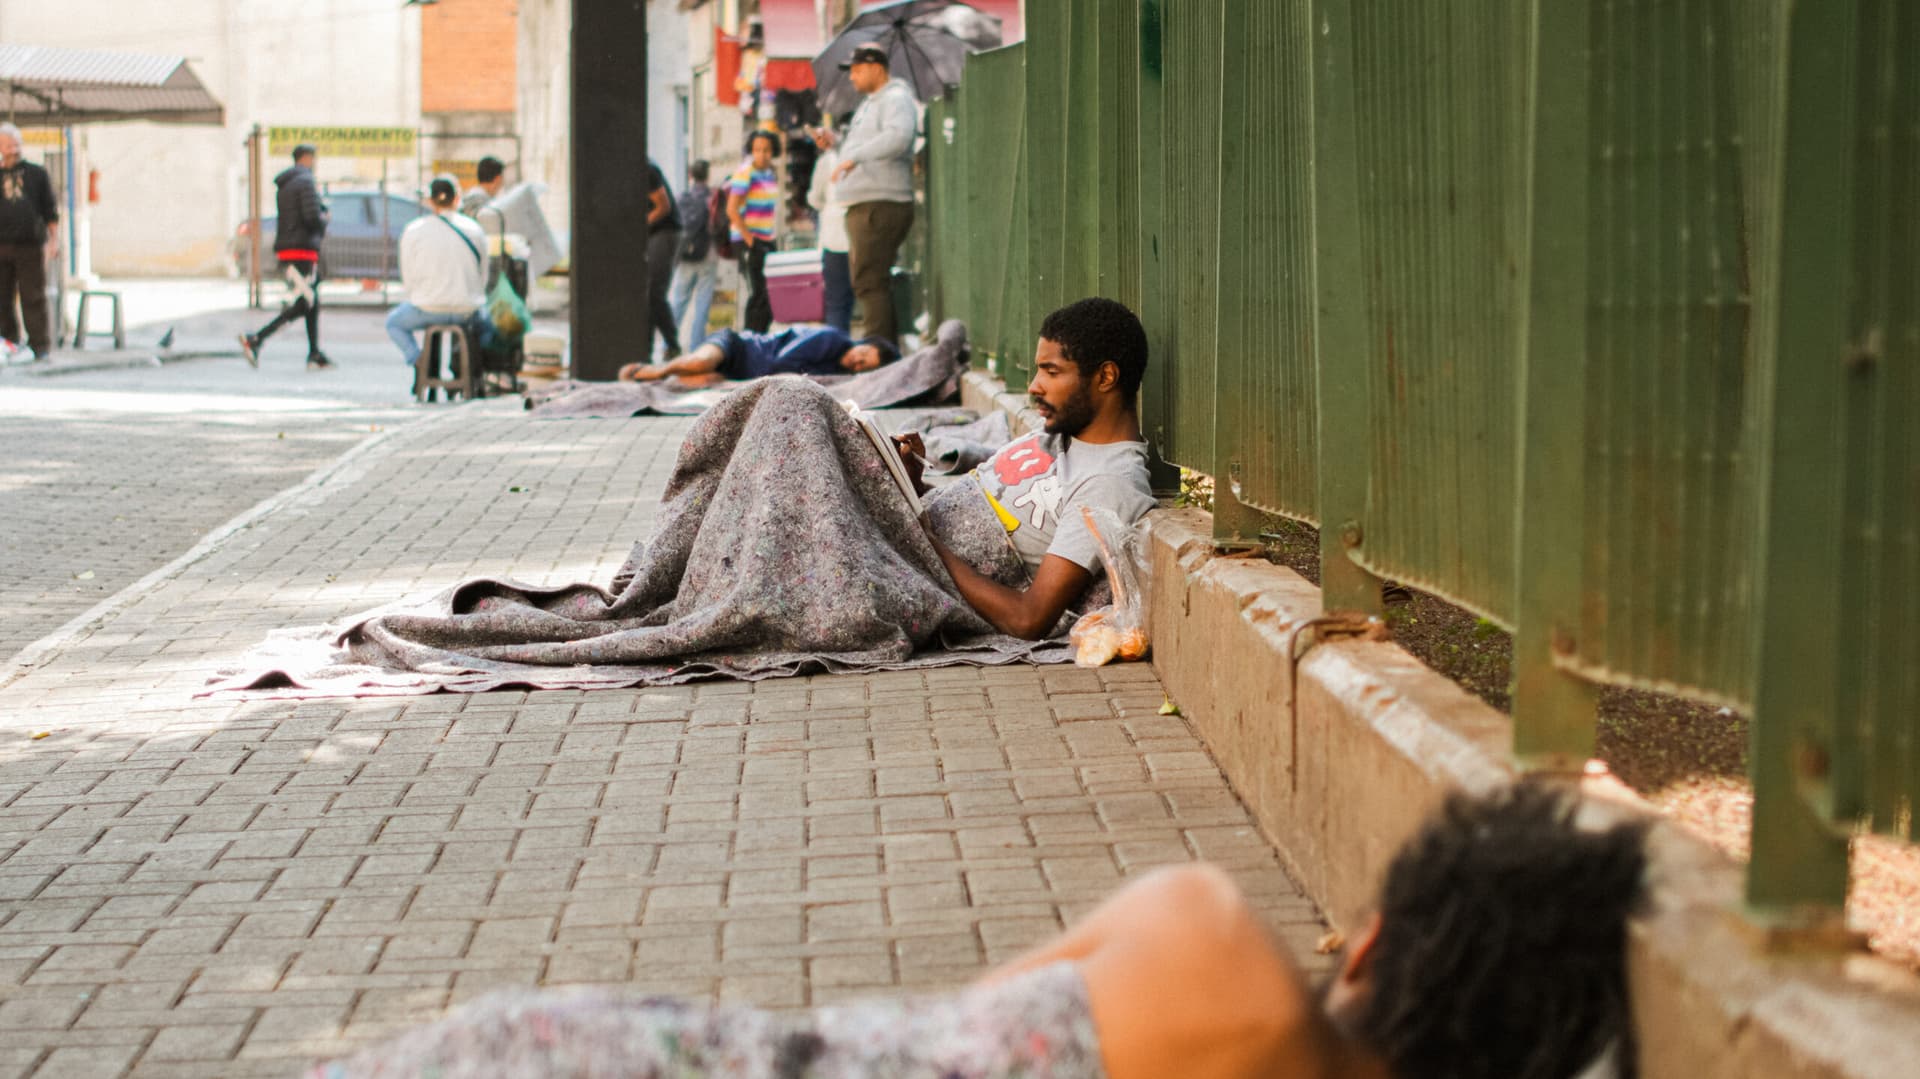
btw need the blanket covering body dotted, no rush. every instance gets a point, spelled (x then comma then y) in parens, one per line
(783, 547)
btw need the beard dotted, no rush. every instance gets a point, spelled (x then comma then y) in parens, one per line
(1073, 415)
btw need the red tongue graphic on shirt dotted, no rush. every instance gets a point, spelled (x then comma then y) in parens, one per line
(1022, 460)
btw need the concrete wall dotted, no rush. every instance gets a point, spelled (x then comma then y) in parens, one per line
(1340, 755)
(172, 196)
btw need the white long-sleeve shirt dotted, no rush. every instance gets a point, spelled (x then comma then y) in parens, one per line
(824, 197)
(440, 272)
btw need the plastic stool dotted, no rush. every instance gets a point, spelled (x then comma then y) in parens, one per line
(462, 369)
(80, 331)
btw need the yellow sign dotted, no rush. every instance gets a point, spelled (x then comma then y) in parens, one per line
(467, 172)
(47, 138)
(344, 141)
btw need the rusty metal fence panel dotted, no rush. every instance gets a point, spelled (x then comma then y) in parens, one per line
(1877, 744)
(1440, 102)
(993, 113)
(1265, 382)
(1683, 223)
(1192, 39)
(947, 292)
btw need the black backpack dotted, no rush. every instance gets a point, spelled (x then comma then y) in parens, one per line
(695, 237)
(719, 225)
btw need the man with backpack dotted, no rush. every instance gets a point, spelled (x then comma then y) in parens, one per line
(663, 246)
(698, 266)
(443, 265)
(298, 230)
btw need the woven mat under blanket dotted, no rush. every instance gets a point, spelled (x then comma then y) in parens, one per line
(928, 376)
(733, 582)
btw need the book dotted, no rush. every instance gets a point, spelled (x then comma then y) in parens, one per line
(889, 454)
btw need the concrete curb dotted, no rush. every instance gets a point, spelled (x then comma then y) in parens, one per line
(348, 466)
(1340, 753)
(120, 361)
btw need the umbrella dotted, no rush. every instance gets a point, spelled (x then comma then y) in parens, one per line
(926, 42)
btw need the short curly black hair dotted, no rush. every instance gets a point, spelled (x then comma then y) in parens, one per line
(1094, 331)
(1502, 948)
(757, 134)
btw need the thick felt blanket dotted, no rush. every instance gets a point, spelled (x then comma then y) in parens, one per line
(732, 583)
(929, 375)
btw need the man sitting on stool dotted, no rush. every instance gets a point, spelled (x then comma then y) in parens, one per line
(443, 267)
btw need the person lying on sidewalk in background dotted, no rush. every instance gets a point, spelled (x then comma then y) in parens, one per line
(1497, 949)
(743, 354)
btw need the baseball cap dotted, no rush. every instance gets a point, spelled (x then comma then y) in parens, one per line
(866, 54)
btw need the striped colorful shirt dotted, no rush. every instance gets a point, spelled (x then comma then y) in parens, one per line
(762, 191)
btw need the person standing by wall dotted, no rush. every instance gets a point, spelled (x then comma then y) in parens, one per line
(490, 176)
(443, 266)
(875, 182)
(29, 238)
(753, 201)
(833, 232)
(663, 246)
(696, 269)
(297, 234)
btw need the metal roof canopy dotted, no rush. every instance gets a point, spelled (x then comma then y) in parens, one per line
(48, 87)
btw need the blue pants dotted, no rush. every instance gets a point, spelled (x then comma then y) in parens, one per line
(839, 281)
(693, 283)
(406, 321)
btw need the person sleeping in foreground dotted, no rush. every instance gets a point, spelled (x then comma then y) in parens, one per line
(741, 354)
(1497, 950)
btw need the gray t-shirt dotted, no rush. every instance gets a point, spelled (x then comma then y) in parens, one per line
(1038, 484)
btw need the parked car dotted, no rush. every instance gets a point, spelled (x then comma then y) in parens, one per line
(354, 243)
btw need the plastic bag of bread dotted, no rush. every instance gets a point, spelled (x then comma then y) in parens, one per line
(1118, 631)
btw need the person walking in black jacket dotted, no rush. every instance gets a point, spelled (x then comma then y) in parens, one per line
(28, 239)
(296, 243)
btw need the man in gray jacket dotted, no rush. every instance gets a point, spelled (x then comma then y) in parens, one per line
(874, 180)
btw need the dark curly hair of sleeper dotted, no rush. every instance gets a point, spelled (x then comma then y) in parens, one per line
(1094, 331)
(1502, 949)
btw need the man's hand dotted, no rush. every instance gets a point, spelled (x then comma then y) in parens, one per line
(641, 372)
(913, 454)
(840, 171)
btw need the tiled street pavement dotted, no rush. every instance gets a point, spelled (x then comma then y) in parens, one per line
(106, 476)
(193, 887)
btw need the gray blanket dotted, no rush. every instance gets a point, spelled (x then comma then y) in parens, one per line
(783, 547)
(929, 375)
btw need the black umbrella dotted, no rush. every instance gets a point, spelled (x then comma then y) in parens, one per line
(926, 42)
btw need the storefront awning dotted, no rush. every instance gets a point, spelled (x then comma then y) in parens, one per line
(48, 87)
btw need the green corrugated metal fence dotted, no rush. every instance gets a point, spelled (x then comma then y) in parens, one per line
(1597, 318)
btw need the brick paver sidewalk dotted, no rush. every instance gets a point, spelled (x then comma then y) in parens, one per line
(193, 887)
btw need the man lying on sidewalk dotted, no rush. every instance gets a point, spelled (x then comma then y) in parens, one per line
(785, 545)
(1086, 376)
(741, 354)
(1497, 949)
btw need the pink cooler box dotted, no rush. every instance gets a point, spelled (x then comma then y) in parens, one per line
(797, 286)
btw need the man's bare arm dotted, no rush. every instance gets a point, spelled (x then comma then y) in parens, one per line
(736, 213)
(1026, 614)
(660, 205)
